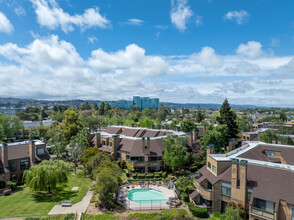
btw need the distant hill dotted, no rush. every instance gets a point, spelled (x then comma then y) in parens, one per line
(17, 102)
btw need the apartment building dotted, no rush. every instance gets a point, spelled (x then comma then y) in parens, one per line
(142, 147)
(15, 158)
(257, 176)
(254, 135)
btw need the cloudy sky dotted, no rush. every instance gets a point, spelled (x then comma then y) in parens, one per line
(178, 50)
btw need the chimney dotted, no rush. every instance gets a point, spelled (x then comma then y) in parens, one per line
(279, 141)
(189, 139)
(232, 144)
(234, 180)
(32, 151)
(97, 139)
(116, 141)
(44, 140)
(194, 133)
(210, 149)
(146, 145)
(243, 181)
(274, 141)
(4, 155)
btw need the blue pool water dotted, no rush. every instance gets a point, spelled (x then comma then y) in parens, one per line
(145, 196)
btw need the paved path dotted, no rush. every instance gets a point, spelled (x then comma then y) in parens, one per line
(78, 207)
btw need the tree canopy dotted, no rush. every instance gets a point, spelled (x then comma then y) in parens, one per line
(175, 154)
(47, 175)
(228, 117)
(187, 126)
(216, 136)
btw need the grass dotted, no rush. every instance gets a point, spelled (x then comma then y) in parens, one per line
(99, 217)
(53, 217)
(25, 203)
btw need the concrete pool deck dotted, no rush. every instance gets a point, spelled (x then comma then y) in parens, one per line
(168, 195)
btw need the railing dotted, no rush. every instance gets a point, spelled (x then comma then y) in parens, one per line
(205, 193)
(262, 213)
(147, 204)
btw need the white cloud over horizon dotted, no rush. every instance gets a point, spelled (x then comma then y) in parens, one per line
(53, 68)
(180, 14)
(50, 15)
(239, 16)
(5, 25)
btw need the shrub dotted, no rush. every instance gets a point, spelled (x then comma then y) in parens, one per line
(197, 211)
(193, 168)
(141, 176)
(134, 175)
(149, 176)
(126, 171)
(164, 174)
(12, 184)
(156, 176)
(184, 196)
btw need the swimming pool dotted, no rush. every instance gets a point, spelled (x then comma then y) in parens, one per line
(146, 196)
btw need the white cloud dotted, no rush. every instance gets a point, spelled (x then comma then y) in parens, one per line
(19, 11)
(5, 25)
(161, 27)
(52, 68)
(134, 22)
(50, 15)
(239, 16)
(92, 39)
(180, 13)
(275, 42)
(251, 49)
(207, 57)
(198, 20)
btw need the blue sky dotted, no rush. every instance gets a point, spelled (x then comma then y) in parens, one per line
(178, 50)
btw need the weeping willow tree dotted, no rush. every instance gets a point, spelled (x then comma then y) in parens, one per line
(47, 175)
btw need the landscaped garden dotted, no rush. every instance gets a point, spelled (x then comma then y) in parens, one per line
(25, 202)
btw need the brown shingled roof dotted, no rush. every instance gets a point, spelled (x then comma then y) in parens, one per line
(113, 130)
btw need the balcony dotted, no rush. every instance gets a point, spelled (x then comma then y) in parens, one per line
(262, 213)
(205, 193)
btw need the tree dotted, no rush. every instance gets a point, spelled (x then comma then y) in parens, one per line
(91, 122)
(187, 126)
(47, 175)
(89, 154)
(199, 116)
(136, 107)
(85, 106)
(184, 186)
(96, 161)
(95, 106)
(228, 117)
(283, 116)
(146, 122)
(9, 125)
(101, 108)
(78, 144)
(107, 108)
(268, 136)
(71, 125)
(106, 185)
(216, 136)
(175, 153)
(56, 139)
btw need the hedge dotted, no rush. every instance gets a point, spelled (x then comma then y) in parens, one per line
(193, 168)
(134, 175)
(149, 176)
(141, 176)
(197, 211)
(156, 176)
(164, 174)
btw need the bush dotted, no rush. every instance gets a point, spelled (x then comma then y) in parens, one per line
(156, 176)
(184, 196)
(149, 176)
(193, 168)
(134, 175)
(164, 174)
(141, 176)
(126, 171)
(12, 184)
(197, 212)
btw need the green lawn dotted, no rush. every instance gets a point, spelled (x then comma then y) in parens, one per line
(170, 214)
(100, 217)
(26, 203)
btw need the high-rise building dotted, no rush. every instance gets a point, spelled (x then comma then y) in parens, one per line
(142, 102)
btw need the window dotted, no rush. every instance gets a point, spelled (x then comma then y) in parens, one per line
(1, 170)
(103, 142)
(213, 168)
(226, 189)
(110, 143)
(247, 138)
(292, 213)
(118, 155)
(24, 164)
(40, 151)
(209, 165)
(265, 205)
(249, 193)
(270, 153)
(12, 165)
(127, 157)
(244, 138)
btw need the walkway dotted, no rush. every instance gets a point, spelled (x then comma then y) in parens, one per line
(78, 207)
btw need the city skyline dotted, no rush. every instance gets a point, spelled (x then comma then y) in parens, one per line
(180, 51)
